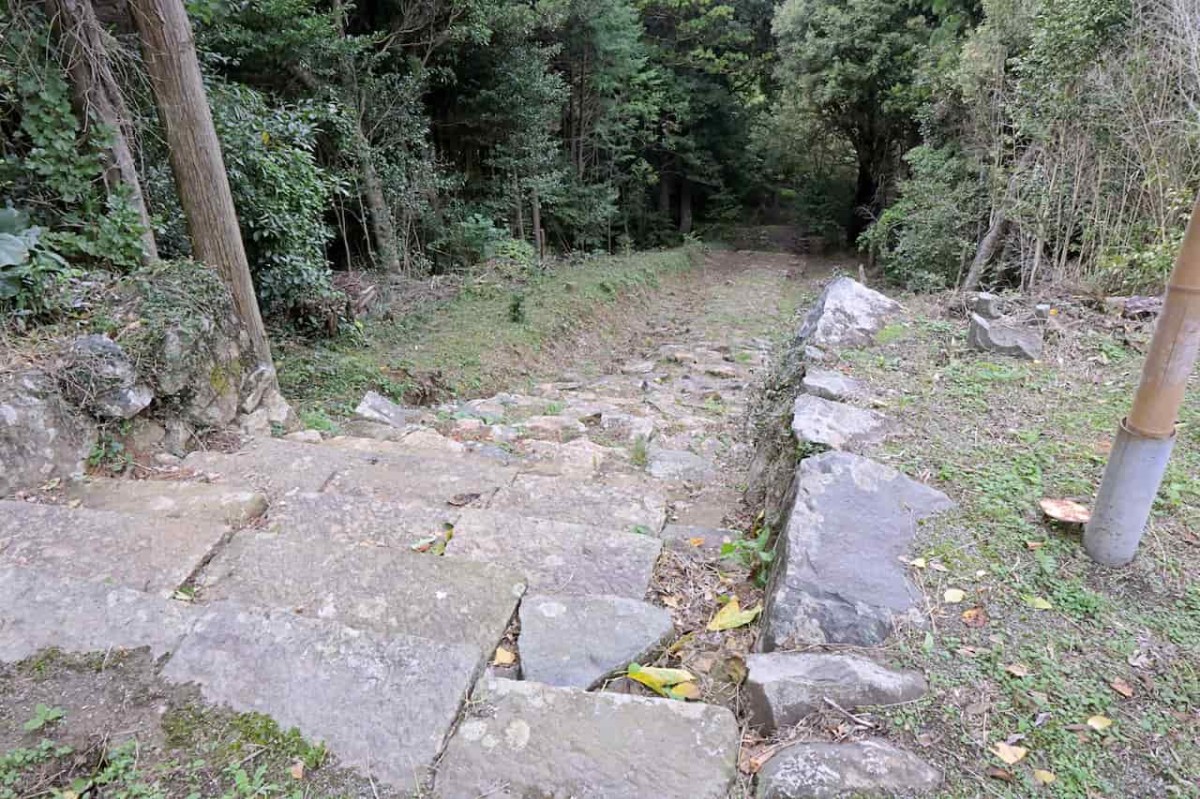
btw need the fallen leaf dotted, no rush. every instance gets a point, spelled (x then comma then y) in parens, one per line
(1034, 544)
(997, 773)
(1099, 723)
(917, 563)
(953, 596)
(658, 680)
(459, 500)
(75, 503)
(1066, 511)
(504, 657)
(938, 567)
(1121, 687)
(1043, 777)
(732, 615)
(684, 690)
(297, 770)
(698, 541)
(1038, 603)
(975, 617)
(671, 601)
(1010, 754)
(1017, 669)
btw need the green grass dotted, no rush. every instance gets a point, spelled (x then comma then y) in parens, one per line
(473, 343)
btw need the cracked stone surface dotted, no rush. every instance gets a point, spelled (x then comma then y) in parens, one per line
(836, 771)
(838, 576)
(835, 424)
(834, 386)
(576, 641)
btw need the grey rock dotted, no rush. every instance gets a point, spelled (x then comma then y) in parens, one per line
(831, 771)
(178, 438)
(305, 436)
(378, 408)
(833, 386)
(838, 577)
(41, 438)
(557, 557)
(254, 385)
(835, 424)
(614, 503)
(171, 499)
(638, 368)
(783, 688)
(987, 305)
(667, 464)
(575, 642)
(145, 435)
(847, 314)
(522, 739)
(627, 426)
(98, 376)
(1003, 339)
(1042, 311)
(362, 521)
(383, 704)
(143, 552)
(39, 610)
(367, 586)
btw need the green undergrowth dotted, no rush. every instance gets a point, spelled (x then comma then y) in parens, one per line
(490, 335)
(1045, 641)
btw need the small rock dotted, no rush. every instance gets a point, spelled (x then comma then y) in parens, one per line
(178, 438)
(833, 386)
(1016, 342)
(638, 368)
(627, 426)
(254, 385)
(987, 305)
(1042, 311)
(835, 424)
(97, 375)
(471, 429)
(815, 354)
(847, 314)
(832, 771)
(377, 408)
(576, 641)
(145, 434)
(557, 428)
(784, 688)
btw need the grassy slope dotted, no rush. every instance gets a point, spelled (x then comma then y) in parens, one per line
(999, 435)
(477, 342)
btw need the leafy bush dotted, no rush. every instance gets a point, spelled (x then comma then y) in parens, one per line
(31, 272)
(468, 241)
(923, 239)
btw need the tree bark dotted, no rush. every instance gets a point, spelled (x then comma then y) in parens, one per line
(685, 206)
(98, 96)
(539, 239)
(866, 188)
(195, 154)
(382, 224)
(996, 228)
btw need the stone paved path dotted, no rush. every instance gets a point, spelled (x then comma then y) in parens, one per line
(357, 586)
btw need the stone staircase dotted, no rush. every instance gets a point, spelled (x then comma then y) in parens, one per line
(356, 587)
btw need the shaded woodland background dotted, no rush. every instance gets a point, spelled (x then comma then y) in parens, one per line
(954, 142)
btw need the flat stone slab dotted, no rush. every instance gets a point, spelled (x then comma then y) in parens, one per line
(847, 314)
(377, 408)
(834, 386)
(835, 424)
(678, 465)
(576, 642)
(833, 771)
(993, 336)
(171, 499)
(838, 576)
(614, 503)
(383, 704)
(383, 589)
(39, 610)
(522, 739)
(269, 464)
(359, 520)
(148, 554)
(556, 557)
(784, 687)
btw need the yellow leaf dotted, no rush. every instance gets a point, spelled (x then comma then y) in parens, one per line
(266, 137)
(732, 616)
(685, 690)
(1099, 723)
(658, 680)
(1038, 603)
(671, 601)
(297, 770)
(954, 595)
(698, 541)
(1043, 777)
(1010, 754)
(504, 657)
(917, 563)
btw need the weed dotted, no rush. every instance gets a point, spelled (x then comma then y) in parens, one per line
(753, 551)
(43, 716)
(639, 452)
(516, 309)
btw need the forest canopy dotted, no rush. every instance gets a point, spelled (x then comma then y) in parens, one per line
(952, 142)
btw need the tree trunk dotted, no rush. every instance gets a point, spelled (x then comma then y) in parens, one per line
(685, 206)
(382, 224)
(98, 96)
(664, 195)
(865, 190)
(539, 239)
(195, 155)
(996, 229)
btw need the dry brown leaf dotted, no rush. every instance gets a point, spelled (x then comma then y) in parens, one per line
(1121, 687)
(297, 770)
(1034, 544)
(975, 617)
(953, 596)
(1066, 511)
(504, 657)
(1017, 669)
(671, 601)
(1010, 754)
(997, 773)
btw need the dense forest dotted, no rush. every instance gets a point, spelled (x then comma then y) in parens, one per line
(951, 142)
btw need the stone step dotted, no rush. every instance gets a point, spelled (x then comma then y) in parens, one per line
(282, 467)
(558, 557)
(384, 589)
(41, 610)
(383, 704)
(149, 554)
(359, 520)
(618, 502)
(524, 739)
(171, 499)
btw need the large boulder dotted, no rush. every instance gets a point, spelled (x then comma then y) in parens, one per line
(1004, 339)
(41, 438)
(860, 769)
(847, 314)
(98, 376)
(838, 577)
(835, 424)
